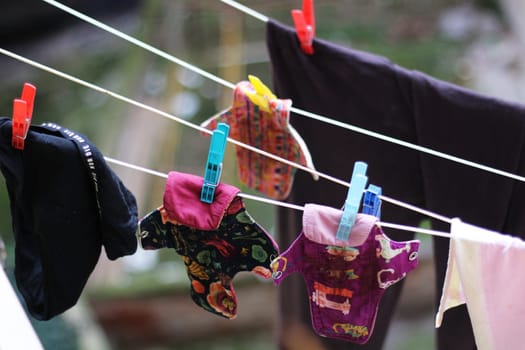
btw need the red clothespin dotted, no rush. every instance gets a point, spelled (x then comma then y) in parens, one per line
(22, 114)
(304, 21)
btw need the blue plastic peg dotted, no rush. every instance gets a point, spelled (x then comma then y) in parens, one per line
(353, 201)
(212, 174)
(372, 202)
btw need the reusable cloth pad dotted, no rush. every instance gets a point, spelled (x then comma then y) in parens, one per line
(345, 279)
(268, 131)
(216, 241)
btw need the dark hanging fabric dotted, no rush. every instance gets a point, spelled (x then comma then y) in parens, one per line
(371, 92)
(66, 203)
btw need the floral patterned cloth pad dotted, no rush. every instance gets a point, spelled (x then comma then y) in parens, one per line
(216, 241)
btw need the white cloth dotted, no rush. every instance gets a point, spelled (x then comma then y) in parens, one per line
(486, 270)
(16, 331)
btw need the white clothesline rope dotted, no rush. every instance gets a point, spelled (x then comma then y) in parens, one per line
(165, 114)
(164, 175)
(280, 203)
(246, 10)
(139, 43)
(314, 116)
(196, 127)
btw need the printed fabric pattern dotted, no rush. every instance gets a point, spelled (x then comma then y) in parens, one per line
(213, 257)
(344, 282)
(268, 131)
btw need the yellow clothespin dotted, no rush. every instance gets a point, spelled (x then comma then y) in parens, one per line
(262, 95)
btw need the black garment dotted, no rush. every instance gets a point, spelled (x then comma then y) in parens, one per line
(66, 203)
(371, 92)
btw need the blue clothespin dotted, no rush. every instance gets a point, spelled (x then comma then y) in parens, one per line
(213, 169)
(353, 200)
(371, 201)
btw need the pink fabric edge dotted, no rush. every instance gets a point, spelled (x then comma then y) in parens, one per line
(182, 201)
(320, 225)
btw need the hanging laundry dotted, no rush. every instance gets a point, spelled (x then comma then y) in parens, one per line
(481, 272)
(66, 203)
(345, 279)
(371, 92)
(216, 241)
(267, 128)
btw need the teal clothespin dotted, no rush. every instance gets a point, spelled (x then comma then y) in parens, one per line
(213, 169)
(372, 202)
(353, 200)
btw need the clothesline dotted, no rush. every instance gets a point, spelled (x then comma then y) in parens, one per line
(189, 124)
(314, 116)
(167, 115)
(382, 284)
(201, 129)
(280, 203)
(164, 175)
(247, 10)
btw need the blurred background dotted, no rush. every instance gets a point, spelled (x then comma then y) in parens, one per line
(142, 301)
